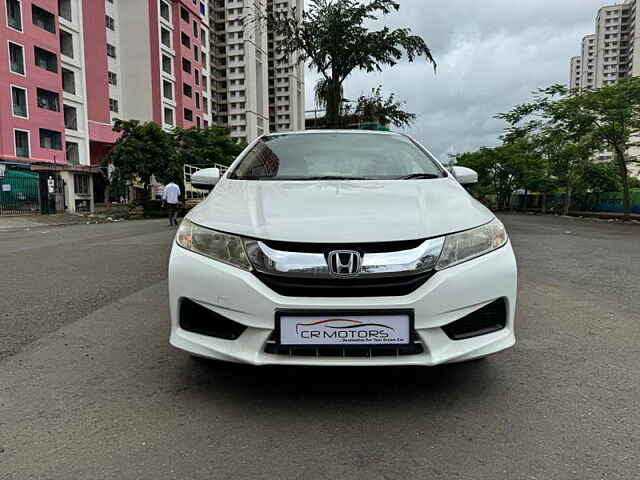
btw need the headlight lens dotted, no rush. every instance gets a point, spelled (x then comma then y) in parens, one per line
(210, 243)
(464, 246)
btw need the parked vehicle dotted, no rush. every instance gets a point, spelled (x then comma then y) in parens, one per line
(341, 248)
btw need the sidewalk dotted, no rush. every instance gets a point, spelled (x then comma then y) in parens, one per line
(39, 221)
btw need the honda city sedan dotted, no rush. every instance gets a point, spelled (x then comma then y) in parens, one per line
(341, 248)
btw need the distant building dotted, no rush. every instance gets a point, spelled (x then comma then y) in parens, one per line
(608, 55)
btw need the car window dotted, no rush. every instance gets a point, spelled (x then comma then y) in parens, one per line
(318, 156)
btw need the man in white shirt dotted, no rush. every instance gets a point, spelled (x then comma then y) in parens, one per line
(170, 196)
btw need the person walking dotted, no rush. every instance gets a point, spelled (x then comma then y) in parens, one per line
(170, 196)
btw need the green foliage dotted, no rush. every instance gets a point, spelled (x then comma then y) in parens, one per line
(600, 177)
(376, 109)
(334, 38)
(145, 150)
(581, 123)
(204, 147)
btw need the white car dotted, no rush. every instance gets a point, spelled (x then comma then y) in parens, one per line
(341, 248)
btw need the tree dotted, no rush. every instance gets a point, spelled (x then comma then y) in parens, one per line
(202, 148)
(332, 36)
(501, 170)
(593, 120)
(376, 109)
(142, 151)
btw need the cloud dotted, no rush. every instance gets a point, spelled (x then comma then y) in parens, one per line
(491, 55)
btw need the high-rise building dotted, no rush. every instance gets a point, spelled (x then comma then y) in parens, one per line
(610, 54)
(576, 72)
(286, 79)
(71, 67)
(253, 90)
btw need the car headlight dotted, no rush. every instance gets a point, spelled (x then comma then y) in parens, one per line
(464, 246)
(210, 243)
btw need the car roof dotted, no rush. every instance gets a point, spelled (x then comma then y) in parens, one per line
(332, 131)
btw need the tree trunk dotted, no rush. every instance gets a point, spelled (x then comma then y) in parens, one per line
(334, 99)
(524, 201)
(567, 201)
(626, 194)
(544, 203)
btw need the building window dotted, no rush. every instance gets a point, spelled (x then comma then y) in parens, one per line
(167, 64)
(186, 41)
(81, 184)
(50, 139)
(187, 90)
(113, 105)
(48, 100)
(165, 12)
(167, 89)
(72, 153)
(195, 29)
(197, 77)
(168, 116)
(196, 52)
(113, 78)
(197, 100)
(165, 37)
(198, 124)
(188, 115)
(19, 102)
(186, 65)
(68, 81)
(110, 23)
(64, 10)
(203, 9)
(70, 118)
(43, 19)
(111, 50)
(14, 14)
(184, 14)
(46, 59)
(16, 58)
(66, 44)
(21, 141)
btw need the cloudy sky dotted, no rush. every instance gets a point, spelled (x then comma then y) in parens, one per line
(491, 54)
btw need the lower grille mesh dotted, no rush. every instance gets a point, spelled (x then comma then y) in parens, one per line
(273, 348)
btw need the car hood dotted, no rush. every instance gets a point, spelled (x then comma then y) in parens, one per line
(340, 211)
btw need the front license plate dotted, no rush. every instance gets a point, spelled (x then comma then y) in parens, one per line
(345, 330)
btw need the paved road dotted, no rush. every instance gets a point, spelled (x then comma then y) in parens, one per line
(89, 388)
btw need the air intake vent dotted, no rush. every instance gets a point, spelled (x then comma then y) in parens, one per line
(490, 318)
(198, 319)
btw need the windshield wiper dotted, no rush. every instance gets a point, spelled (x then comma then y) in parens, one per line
(333, 177)
(419, 176)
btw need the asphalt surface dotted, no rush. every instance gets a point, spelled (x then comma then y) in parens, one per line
(90, 388)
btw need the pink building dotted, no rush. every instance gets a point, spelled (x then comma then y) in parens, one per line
(69, 68)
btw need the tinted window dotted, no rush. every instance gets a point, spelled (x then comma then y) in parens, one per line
(342, 155)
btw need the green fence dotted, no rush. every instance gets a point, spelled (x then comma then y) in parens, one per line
(19, 192)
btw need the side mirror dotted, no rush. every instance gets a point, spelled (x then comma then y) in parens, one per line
(464, 175)
(206, 178)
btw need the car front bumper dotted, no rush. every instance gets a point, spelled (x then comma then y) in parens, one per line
(446, 297)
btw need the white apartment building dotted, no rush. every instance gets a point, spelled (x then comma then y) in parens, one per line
(610, 54)
(250, 94)
(576, 72)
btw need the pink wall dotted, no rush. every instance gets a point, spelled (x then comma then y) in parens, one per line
(36, 77)
(183, 52)
(96, 68)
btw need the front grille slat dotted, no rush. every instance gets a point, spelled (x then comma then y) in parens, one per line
(336, 287)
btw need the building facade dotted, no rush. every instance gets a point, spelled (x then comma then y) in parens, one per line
(70, 68)
(253, 90)
(610, 54)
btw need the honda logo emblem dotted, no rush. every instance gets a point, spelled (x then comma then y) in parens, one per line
(344, 263)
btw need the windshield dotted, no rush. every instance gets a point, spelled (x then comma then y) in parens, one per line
(331, 156)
